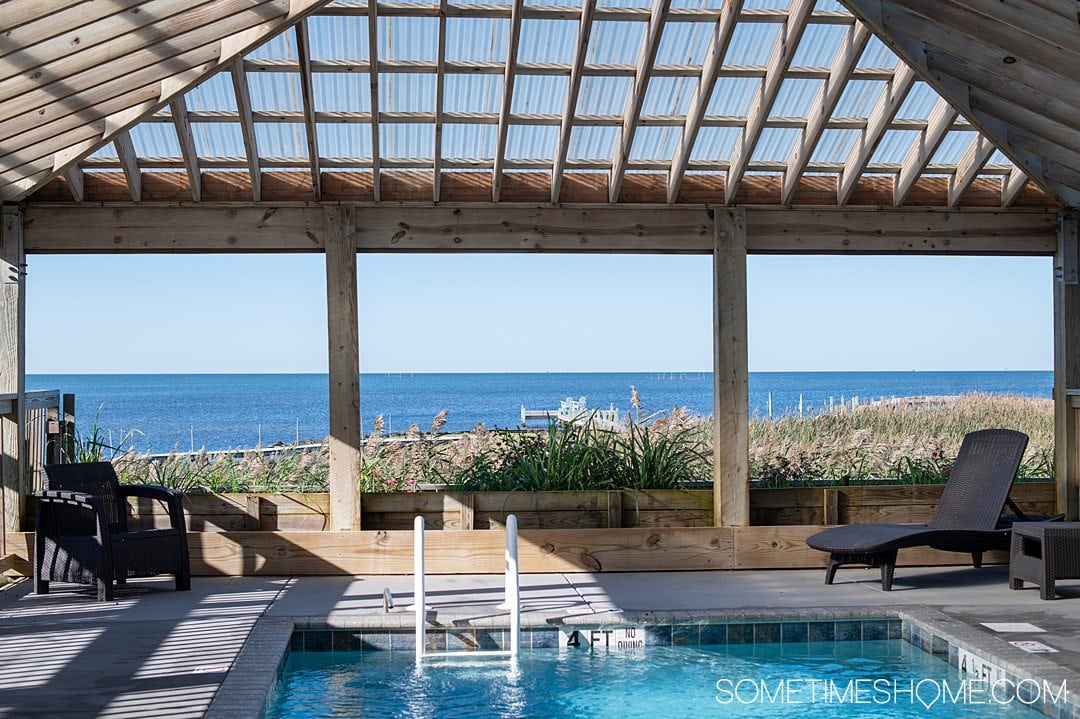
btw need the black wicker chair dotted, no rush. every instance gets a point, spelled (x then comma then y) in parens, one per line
(968, 518)
(82, 534)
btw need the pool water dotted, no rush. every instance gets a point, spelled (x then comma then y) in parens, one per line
(666, 682)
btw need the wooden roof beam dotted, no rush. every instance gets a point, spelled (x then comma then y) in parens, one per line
(76, 182)
(440, 91)
(129, 163)
(178, 111)
(373, 81)
(699, 102)
(646, 60)
(779, 60)
(507, 98)
(881, 117)
(924, 147)
(1012, 185)
(968, 168)
(247, 127)
(581, 49)
(847, 57)
(307, 93)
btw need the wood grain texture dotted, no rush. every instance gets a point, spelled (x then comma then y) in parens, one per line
(12, 366)
(1067, 364)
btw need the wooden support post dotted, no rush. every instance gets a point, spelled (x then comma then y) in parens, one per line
(252, 513)
(67, 427)
(344, 339)
(1067, 364)
(830, 506)
(12, 364)
(614, 510)
(467, 511)
(731, 413)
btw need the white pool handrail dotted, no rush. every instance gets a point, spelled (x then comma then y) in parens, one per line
(512, 588)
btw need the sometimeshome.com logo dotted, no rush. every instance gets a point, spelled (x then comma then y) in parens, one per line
(928, 693)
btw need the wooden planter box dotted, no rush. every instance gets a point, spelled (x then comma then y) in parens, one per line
(574, 510)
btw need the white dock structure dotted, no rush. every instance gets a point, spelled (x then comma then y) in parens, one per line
(571, 410)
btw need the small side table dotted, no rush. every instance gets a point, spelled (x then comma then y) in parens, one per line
(1042, 553)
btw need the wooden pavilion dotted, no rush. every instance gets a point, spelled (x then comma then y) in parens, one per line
(721, 127)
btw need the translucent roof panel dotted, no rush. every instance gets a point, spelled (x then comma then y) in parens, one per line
(155, 139)
(715, 144)
(275, 91)
(218, 139)
(603, 95)
(531, 142)
(953, 147)
(341, 91)
(894, 146)
(476, 39)
(280, 139)
(859, 97)
(919, 103)
(751, 43)
(539, 95)
(684, 43)
(835, 145)
(877, 54)
(732, 96)
(776, 144)
(593, 143)
(473, 93)
(343, 140)
(469, 141)
(550, 41)
(338, 37)
(819, 45)
(615, 43)
(279, 47)
(406, 140)
(796, 96)
(669, 96)
(408, 38)
(655, 143)
(214, 94)
(406, 92)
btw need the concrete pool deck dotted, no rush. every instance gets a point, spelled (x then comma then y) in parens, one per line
(163, 653)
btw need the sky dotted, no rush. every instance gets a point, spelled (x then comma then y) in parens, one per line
(516, 312)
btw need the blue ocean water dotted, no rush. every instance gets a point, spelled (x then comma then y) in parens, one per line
(219, 411)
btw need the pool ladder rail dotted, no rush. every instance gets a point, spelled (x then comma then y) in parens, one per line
(512, 601)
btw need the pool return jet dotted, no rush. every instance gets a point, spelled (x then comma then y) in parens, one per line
(512, 599)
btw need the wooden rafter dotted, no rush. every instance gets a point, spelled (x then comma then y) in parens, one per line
(79, 110)
(880, 120)
(129, 163)
(179, 112)
(76, 182)
(573, 89)
(847, 57)
(507, 97)
(1012, 185)
(373, 82)
(247, 127)
(307, 92)
(972, 162)
(650, 45)
(924, 147)
(703, 91)
(440, 99)
(779, 60)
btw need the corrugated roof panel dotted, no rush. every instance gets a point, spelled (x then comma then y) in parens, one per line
(219, 139)
(655, 143)
(684, 43)
(795, 97)
(953, 147)
(338, 37)
(668, 95)
(877, 54)
(279, 47)
(344, 140)
(275, 91)
(531, 142)
(997, 157)
(408, 38)
(471, 142)
(894, 145)
(818, 45)
(919, 102)
(107, 150)
(623, 3)
(835, 145)
(830, 6)
(547, 41)
(280, 139)
(539, 94)
(766, 4)
(751, 43)
(697, 4)
(406, 92)
(155, 139)
(615, 43)
(341, 91)
(216, 93)
(858, 98)
(478, 2)
(733, 96)
(603, 95)
(593, 143)
(775, 144)
(472, 93)
(715, 144)
(471, 39)
(406, 140)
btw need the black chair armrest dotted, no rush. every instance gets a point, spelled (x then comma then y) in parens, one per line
(47, 499)
(173, 499)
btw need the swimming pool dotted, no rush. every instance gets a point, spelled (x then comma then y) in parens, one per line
(878, 677)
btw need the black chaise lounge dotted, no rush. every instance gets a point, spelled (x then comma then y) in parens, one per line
(82, 535)
(968, 518)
